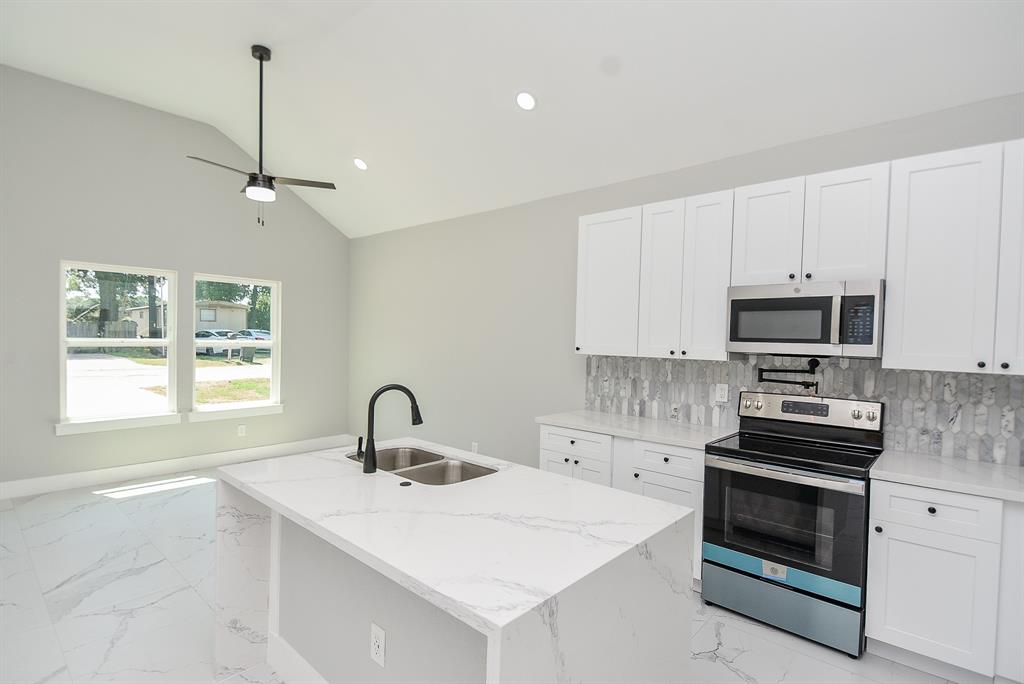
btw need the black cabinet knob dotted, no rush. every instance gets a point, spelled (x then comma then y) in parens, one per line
(931, 509)
(567, 460)
(807, 275)
(671, 352)
(572, 441)
(1004, 365)
(683, 352)
(878, 528)
(981, 364)
(792, 276)
(577, 348)
(576, 462)
(666, 459)
(636, 474)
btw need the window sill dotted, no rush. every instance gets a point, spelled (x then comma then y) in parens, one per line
(234, 411)
(76, 427)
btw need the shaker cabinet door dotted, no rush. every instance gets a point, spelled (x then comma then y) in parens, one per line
(661, 279)
(768, 232)
(1009, 348)
(940, 306)
(707, 258)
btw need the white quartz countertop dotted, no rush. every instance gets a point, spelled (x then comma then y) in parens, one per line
(486, 550)
(647, 429)
(951, 474)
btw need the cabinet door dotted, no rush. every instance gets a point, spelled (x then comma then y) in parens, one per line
(675, 490)
(933, 593)
(845, 221)
(768, 232)
(661, 278)
(556, 463)
(940, 303)
(592, 470)
(1009, 348)
(707, 258)
(608, 283)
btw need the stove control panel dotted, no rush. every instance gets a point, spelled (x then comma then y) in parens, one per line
(852, 413)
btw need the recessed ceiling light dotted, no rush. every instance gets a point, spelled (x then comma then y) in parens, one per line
(360, 164)
(526, 101)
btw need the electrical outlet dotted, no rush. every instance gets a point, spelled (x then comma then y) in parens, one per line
(721, 392)
(474, 447)
(241, 431)
(377, 643)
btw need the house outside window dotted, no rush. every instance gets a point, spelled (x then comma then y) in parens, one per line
(237, 340)
(117, 345)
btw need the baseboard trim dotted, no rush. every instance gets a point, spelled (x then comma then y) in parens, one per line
(924, 663)
(288, 664)
(87, 478)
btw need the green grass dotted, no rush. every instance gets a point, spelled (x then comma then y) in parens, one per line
(224, 391)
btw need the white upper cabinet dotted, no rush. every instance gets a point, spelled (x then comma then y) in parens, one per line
(1009, 346)
(661, 278)
(940, 310)
(608, 283)
(845, 220)
(768, 232)
(706, 260)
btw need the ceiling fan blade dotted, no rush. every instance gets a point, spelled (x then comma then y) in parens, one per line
(207, 161)
(307, 183)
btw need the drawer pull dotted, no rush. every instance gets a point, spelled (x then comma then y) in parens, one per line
(931, 509)
(567, 460)
(666, 459)
(572, 441)
(636, 474)
(878, 528)
(576, 462)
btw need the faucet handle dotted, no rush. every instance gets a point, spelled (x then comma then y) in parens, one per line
(359, 449)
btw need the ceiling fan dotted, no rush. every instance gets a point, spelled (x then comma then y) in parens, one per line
(261, 186)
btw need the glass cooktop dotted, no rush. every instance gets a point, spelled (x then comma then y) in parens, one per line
(808, 454)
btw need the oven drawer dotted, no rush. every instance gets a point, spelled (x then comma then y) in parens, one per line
(964, 515)
(670, 460)
(576, 442)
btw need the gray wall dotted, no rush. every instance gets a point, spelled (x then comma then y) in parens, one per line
(88, 177)
(477, 314)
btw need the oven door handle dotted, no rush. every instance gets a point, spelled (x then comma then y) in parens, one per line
(839, 484)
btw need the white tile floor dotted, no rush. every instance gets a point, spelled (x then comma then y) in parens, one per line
(97, 589)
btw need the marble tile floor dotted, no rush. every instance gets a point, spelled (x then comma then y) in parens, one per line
(98, 589)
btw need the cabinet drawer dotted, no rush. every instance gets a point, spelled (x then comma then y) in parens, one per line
(576, 442)
(965, 515)
(670, 460)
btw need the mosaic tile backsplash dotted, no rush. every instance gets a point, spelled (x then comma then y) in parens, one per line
(964, 415)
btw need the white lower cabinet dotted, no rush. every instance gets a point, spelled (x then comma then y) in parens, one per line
(931, 591)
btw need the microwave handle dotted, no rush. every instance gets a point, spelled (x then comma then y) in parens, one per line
(822, 481)
(837, 316)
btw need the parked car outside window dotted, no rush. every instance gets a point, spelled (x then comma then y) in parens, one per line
(213, 335)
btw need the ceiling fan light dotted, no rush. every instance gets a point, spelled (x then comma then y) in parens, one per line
(260, 193)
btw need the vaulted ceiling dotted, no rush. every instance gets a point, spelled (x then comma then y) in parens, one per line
(425, 91)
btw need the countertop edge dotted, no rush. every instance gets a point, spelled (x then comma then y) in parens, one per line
(892, 467)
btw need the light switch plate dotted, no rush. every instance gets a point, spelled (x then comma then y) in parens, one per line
(721, 392)
(378, 643)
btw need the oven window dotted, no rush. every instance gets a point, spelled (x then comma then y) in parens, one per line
(795, 324)
(800, 530)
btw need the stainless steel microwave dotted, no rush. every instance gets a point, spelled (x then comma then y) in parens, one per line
(841, 318)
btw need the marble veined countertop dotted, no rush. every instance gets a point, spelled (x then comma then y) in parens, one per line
(647, 429)
(486, 550)
(951, 474)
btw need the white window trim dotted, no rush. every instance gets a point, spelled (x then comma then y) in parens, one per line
(233, 410)
(68, 426)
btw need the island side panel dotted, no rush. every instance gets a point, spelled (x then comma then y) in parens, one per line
(327, 600)
(628, 621)
(243, 581)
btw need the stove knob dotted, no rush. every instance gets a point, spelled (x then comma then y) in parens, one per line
(758, 404)
(856, 413)
(746, 404)
(872, 416)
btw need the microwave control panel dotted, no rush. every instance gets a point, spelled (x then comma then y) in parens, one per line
(858, 319)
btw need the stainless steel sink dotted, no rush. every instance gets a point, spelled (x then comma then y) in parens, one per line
(402, 457)
(446, 472)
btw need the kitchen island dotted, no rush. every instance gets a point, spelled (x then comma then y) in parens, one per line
(515, 576)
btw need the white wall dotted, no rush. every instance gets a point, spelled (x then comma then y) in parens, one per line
(477, 314)
(92, 178)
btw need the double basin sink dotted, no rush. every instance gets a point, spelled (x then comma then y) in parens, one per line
(426, 467)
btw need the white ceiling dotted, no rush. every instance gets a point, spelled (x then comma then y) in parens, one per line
(424, 91)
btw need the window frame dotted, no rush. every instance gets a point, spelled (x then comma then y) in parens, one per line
(207, 320)
(234, 410)
(66, 425)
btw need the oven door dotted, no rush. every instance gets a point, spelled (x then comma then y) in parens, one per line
(786, 319)
(798, 528)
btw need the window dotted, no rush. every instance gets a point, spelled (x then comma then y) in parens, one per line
(117, 345)
(236, 361)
